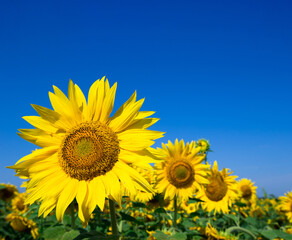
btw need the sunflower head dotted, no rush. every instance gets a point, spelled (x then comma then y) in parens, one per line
(86, 153)
(213, 234)
(180, 174)
(17, 222)
(18, 203)
(246, 190)
(204, 144)
(180, 171)
(217, 188)
(219, 193)
(285, 205)
(7, 192)
(83, 145)
(21, 224)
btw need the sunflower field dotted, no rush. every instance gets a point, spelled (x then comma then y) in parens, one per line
(94, 175)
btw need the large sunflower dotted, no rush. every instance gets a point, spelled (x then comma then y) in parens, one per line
(181, 172)
(85, 153)
(286, 205)
(220, 192)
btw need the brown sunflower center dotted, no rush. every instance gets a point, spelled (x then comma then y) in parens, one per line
(216, 189)
(6, 194)
(246, 191)
(89, 150)
(20, 205)
(180, 174)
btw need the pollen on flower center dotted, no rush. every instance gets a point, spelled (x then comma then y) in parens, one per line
(246, 191)
(180, 174)
(89, 150)
(216, 189)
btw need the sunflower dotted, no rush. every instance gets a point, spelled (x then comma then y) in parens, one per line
(85, 153)
(286, 205)
(213, 234)
(246, 190)
(220, 192)
(18, 203)
(21, 224)
(180, 172)
(7, 192)
(204, 144)
(142, 195)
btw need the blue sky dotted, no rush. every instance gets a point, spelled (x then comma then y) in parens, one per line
(219, 70)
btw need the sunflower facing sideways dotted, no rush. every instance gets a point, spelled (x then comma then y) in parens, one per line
(220, 192)
(180, 172)
(85, 153)
(286, 205)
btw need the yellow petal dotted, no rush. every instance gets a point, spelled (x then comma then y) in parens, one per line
(99, 100)
(80, 197)
(99, 192)
(40, 123)
(66, 197)
(92, 94)
(108, 104)
(138, 139)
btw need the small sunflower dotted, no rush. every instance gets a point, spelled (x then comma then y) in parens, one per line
(204, 144)
(7, 192)
(220, 192)
(85, 153)
(286, 205)
(142, 195)
(21, 224)
(246, 190)
(18, 203)
(213, 234)
(181, 172)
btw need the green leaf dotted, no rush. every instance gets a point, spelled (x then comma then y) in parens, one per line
(240, 204)
(125, 226)
(232, 217)
(269, 234)
(67, 220)
(159, 210)
(131, 234)
(53, 233)
(70, 235)
(195, 200)
(178, 236)
(284, 235)
(91, 235)
(250, 220)
(2, 186)
(161, 236)
(139, 204)
(129, 218)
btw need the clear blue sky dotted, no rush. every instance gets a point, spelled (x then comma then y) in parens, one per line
(220, 70)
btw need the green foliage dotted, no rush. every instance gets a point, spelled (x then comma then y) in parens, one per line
(139, 221)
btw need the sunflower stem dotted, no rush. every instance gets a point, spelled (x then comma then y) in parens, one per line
(72, 215)
(175, 211)
(232, 229)
(113, 219)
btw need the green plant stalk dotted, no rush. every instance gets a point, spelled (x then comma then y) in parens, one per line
(232, 229)
(113, 219)
(175, 211)
(72, 215)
